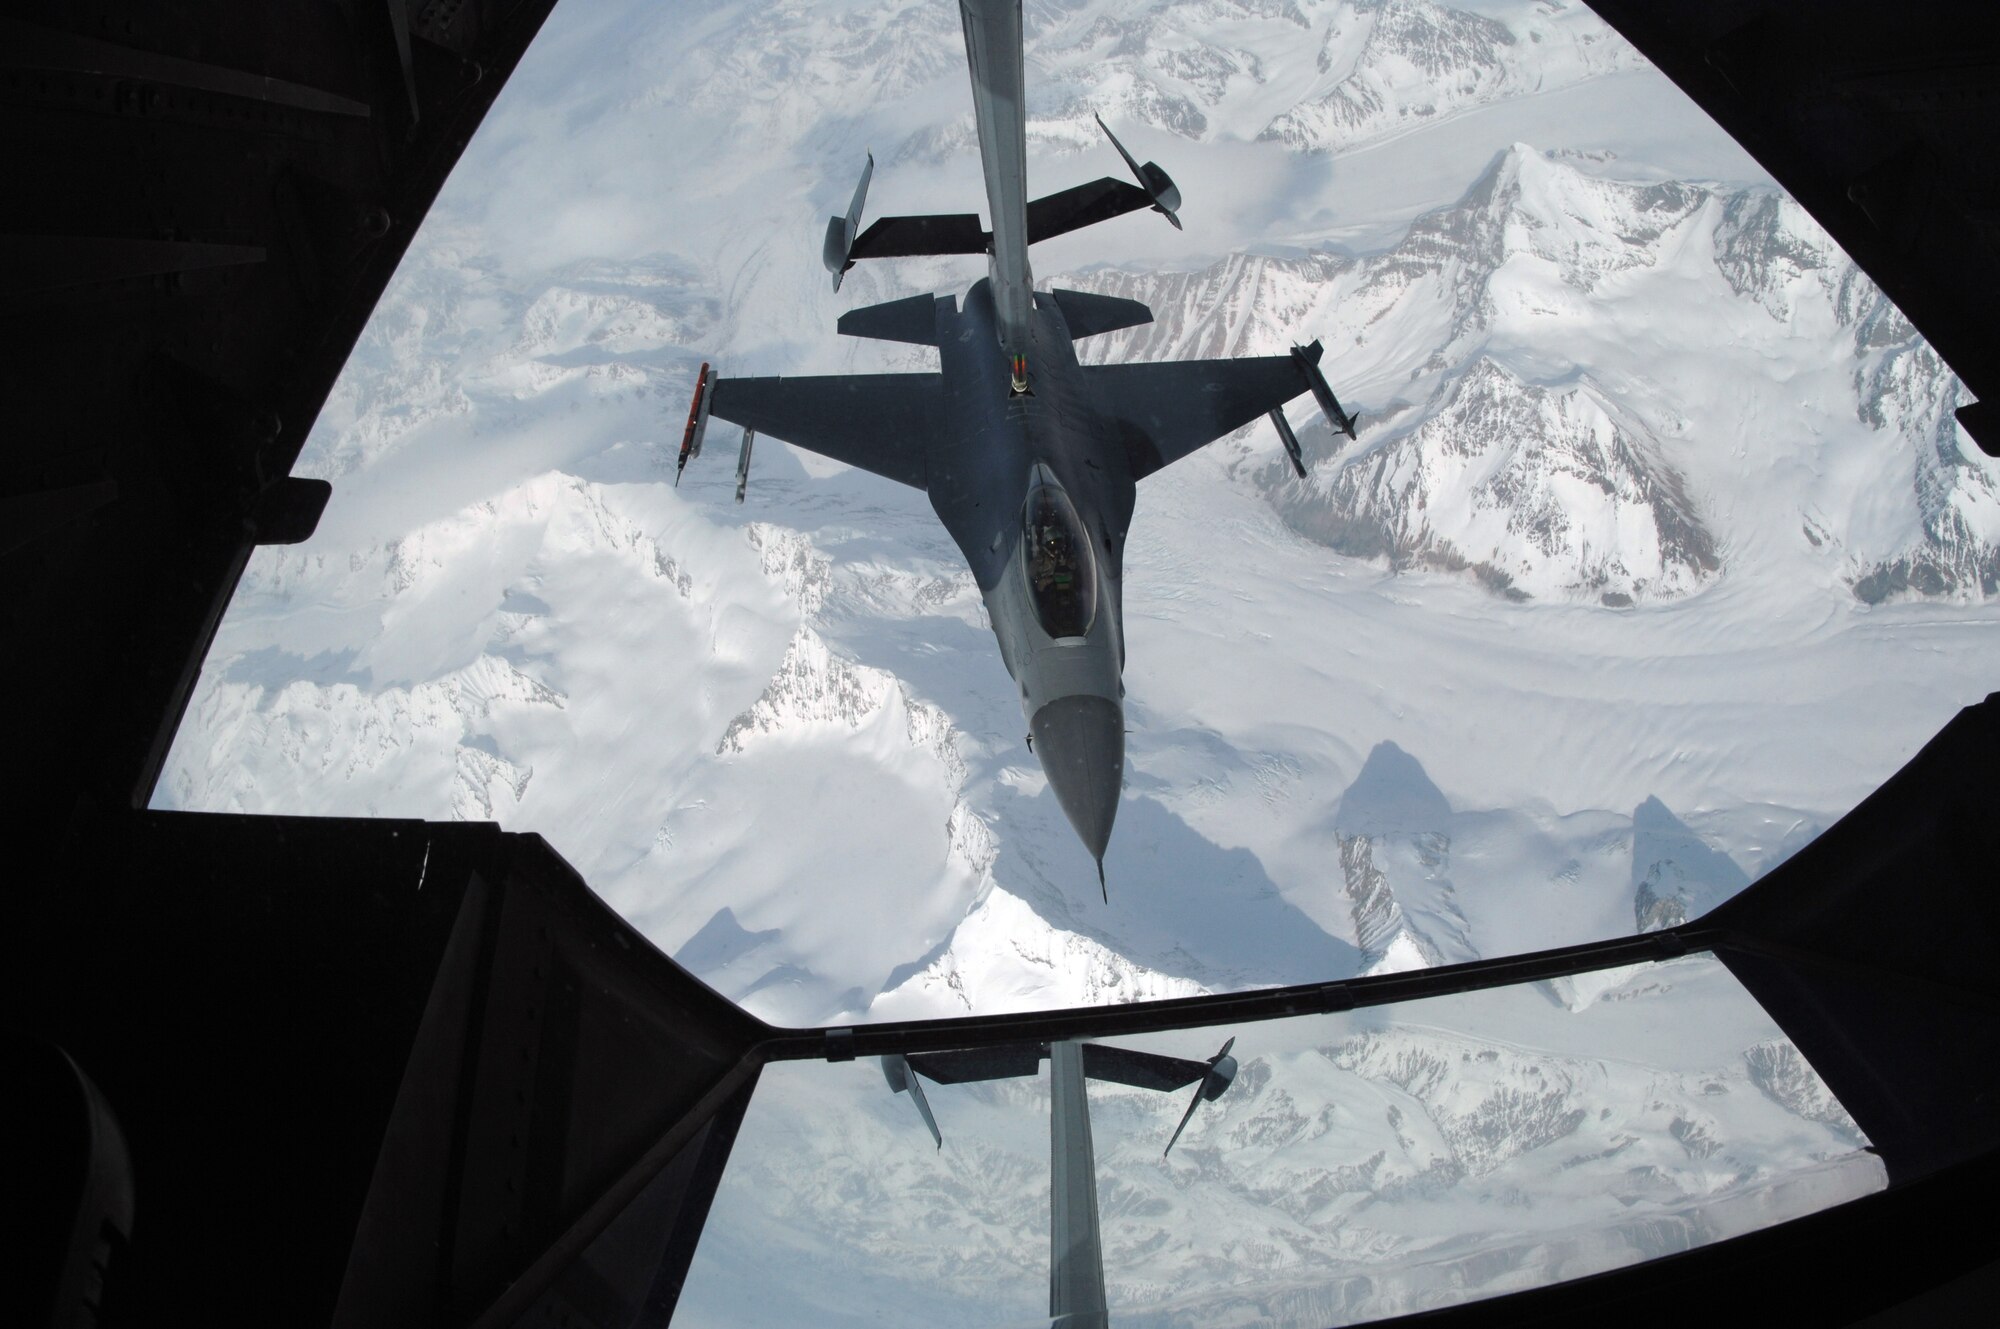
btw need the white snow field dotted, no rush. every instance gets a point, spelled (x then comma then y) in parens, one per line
(1659, 550)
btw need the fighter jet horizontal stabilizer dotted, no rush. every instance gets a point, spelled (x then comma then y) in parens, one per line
(913, 320)
(960, 232)
(1087, 315)
(697, 421)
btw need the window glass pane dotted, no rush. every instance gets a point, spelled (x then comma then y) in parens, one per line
(1360, 1165)
(1658, 548)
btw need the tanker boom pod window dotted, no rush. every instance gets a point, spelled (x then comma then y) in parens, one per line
(1062, 577)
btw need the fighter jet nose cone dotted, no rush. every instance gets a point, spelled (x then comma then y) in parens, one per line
(1081, 741)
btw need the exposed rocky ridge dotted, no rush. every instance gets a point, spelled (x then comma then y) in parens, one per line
(805, 59)
(1003, 949)
(1458, 55)
(812, 686)
(1770, 251)
(1439, 276)
(1545, 493)
(815, 687)
(1512, 1106)
(404, 745)
(1781, 1070)
(791, 559)
(1198, 69)
(1905, 389)
(1388, 943)
(1676, 875)
(1387, 64)
(1536, 490)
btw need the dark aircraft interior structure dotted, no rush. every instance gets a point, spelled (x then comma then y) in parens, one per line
(284, 1070)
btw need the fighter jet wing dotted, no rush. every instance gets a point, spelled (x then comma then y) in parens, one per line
(879, 422)
(1164, 411)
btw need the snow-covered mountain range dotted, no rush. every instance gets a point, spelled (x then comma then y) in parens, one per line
(1659, 549)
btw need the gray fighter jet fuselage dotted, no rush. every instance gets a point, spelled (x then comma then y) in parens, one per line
(1038, 497)
(1030, 458)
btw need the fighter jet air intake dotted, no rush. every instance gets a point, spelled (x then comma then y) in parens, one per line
(1030, 459)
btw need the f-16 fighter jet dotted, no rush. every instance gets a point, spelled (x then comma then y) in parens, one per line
(1029, 458)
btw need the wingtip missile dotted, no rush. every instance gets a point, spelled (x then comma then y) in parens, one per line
(1307, 357)
(697, 423)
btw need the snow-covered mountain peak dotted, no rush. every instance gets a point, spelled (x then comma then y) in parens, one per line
(1386, 65)
(1537, 490)
(1587, 225)
(1392, 795)
(787, 67)
(1766, 245)
(1676, 876)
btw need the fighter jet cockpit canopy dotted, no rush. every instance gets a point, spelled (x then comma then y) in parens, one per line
(1062, 573)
